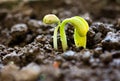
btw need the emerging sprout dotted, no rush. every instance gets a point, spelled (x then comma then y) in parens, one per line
(51, 19)
(80, 30)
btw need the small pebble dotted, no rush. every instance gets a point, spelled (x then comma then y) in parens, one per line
(98, 38)
(106, 57)
(97, 51)
(19, 30)
(111, 41)
(68, 55)
(86, 56)
(94, 62)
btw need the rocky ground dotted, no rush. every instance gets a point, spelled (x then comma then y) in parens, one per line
(26, 46)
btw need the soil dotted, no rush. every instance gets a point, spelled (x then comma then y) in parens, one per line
(26, 46)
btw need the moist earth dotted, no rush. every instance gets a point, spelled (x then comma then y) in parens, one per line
(26, 44)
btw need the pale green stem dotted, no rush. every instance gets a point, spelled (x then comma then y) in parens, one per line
(63, 34)
(55, 45)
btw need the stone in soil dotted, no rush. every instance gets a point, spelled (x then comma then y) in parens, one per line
(111, 41)
(19, 30)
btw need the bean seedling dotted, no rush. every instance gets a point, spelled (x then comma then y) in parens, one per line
(80, 30)
(50, 19)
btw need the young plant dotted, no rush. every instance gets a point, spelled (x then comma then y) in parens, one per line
(51, 19)
(80, 30)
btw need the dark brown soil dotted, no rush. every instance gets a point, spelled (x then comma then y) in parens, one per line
(26, 46)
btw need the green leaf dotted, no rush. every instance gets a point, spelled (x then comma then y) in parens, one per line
(79, 41)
